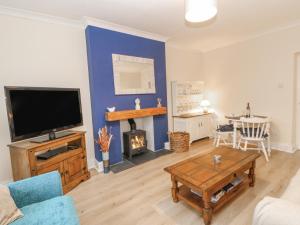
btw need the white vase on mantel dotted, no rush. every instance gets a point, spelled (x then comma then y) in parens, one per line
(137, 104)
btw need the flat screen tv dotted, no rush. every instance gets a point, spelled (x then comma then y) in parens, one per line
(35, 111)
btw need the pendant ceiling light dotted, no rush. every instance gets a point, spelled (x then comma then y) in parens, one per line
(197, 11)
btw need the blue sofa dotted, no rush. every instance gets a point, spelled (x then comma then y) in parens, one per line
(41, 200)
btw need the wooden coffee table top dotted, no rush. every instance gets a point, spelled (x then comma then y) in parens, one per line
(201, 172)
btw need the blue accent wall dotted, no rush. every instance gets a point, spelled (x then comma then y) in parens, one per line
(101, 44)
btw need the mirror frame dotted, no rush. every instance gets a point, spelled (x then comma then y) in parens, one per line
(125, 58)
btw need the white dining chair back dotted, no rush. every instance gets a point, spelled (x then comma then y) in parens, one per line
(257, 130)
(220, 136)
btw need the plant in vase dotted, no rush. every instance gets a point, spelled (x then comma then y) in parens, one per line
(104, 140)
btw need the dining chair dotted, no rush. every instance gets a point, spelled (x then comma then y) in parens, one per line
(255, 130)
(221, 132)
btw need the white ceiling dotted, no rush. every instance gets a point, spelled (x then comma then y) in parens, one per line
(237, 19)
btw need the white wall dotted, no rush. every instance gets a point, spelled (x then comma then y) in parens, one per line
(296, 136)
(259, 71)
(40, 53)
(34, 53)
(181, 65)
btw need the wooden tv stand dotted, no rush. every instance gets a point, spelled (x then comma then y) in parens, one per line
(72, 165)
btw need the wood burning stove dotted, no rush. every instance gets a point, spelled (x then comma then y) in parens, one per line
(134, 141)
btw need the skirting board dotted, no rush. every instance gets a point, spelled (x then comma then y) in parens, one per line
(5, 182)
(283, 147)
(99, 166)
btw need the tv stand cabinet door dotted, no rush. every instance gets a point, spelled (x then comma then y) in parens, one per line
(55, 167)
(74, 167)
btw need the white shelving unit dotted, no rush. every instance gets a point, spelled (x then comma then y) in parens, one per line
(187, 110)
(187, 97)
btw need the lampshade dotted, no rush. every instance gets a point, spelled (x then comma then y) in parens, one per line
(205, 103)
(200, 10)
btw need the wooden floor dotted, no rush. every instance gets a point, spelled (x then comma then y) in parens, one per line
(141, 195)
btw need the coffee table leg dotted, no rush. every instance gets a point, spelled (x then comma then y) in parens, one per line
(252, 175)
(174, 189)
(207, 211)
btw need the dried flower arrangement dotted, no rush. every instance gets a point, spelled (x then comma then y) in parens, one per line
(104, 140)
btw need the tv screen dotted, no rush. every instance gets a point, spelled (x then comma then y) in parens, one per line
(36, 111)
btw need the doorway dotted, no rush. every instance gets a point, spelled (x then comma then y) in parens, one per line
(296, 105)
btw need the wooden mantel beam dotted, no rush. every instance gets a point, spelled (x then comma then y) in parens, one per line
(131, 114)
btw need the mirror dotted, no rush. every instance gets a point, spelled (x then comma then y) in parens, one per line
(133, 75)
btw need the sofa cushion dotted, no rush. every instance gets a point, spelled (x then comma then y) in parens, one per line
(8, 209)
(36, 189)
(292, 191)
(55, 211)
(275, 211)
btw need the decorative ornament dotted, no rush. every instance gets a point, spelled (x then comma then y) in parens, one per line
(111, 109)
(159, 103)
(137, 104)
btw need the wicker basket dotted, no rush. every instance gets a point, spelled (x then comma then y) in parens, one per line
(179, 141)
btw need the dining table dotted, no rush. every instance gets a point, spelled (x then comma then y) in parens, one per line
(236, 121)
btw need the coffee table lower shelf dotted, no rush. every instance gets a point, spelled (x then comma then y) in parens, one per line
(196, 201)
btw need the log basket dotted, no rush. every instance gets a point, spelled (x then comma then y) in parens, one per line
(179, 141)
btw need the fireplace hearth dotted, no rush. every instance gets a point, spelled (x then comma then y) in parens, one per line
(134, 141)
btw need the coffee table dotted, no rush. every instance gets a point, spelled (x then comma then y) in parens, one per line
(200, 178)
